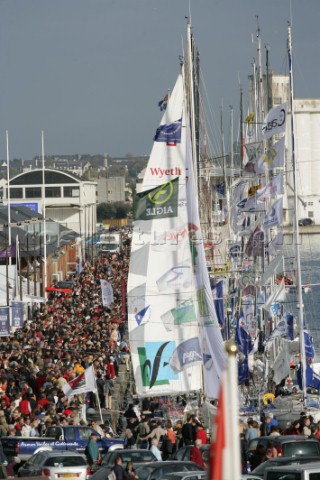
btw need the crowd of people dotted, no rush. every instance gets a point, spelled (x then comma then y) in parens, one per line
(269, 427)
(63, 337)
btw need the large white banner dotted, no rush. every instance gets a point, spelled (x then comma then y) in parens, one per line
(106, 293)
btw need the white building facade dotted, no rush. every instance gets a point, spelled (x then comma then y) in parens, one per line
(67, 198)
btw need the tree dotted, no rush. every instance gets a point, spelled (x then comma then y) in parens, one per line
(112, 210)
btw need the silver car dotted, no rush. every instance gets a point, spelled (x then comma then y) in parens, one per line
(56, 465)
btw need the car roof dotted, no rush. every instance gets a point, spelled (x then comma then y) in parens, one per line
(167, 462)
(186, 474)
(296, 468)
(67, 453)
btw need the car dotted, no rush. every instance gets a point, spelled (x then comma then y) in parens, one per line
(280, 462)
(183, 453)
(305, 221)
(55, 464)
(286, 445)
(158, 470)
(307, 471)
(136, 456)
(201, 475)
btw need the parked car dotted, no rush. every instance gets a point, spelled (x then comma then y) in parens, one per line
(56, 464)
(308, 471)
(201, 475)
(184, 453)
(158, 470)
(135, 456)
(305, 221)
(286, 445)
(281, 462)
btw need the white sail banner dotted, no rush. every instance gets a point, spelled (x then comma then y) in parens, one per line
(281, 366)
(276, 245)
(168, 291)
(274, 267)
(274, 216)
(274, 122)
(106, 293)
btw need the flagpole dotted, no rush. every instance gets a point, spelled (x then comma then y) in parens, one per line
(8, 195)
(44, 276)
(98, 400)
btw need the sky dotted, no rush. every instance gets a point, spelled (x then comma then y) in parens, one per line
(90, 73)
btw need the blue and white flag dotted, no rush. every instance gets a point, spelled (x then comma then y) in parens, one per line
(242, 338)
(4, 322)
(290, 334)
(308, 345)
(312, 379)
(217, 295)
(274, 216)
(17, 314)
(243, 371)
(106, 293)
(186, 354)
(170, 134)
(278, 295)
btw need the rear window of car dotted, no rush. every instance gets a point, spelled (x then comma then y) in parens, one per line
(66, 461)
(300, 448)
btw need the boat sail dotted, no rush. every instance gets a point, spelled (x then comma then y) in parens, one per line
(175, 339)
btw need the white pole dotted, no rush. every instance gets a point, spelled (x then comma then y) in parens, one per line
(44, 277)
(231, 453)
(8, 197)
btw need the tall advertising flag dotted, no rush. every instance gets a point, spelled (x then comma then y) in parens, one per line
(82, 384)
(4, 322)
(17, 314)
(274, 122)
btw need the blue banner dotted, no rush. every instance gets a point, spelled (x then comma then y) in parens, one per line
(17, 314)
(170, 133)
(290, 334)
(4, 322)
(217, 293)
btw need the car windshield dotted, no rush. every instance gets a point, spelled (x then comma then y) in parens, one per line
(66, 461)
(144, 472)
(129, 456)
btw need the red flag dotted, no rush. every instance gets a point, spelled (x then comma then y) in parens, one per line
(218, 443)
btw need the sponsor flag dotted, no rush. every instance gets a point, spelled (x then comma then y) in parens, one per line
(160, 202)
(273, 216)
(243, 371)
(4, 322)
(217, 295)
(251, 204)
(242, 338)
(106, 293)
(183, 313)
(82, 384)
(17, 314)
(169, 133)
(163, 103)
(281, 366)
(278, 295)
(281, 330)
(290, 334)
(312, 379)
(255, 245)
(274, 122)
(186, 354)
(9, 251)
(273, 157)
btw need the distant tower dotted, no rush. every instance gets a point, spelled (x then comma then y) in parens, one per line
(105, 163)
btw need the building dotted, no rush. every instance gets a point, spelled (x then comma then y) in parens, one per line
(69, 200)
(111, 189)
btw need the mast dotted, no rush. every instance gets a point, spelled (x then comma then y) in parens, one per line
(8, 195)
(296, 229)
(192, 106)
(44, 276)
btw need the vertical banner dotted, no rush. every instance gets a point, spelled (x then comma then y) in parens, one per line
(16, 314)
(4, 322)
(106, 293)
(123, 290)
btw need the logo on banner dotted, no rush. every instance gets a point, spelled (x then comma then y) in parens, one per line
(154, 358)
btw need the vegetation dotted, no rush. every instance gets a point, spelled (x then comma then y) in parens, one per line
(112, 210)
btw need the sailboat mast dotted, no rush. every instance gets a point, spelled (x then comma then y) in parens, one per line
(192, 106)
(296, 227)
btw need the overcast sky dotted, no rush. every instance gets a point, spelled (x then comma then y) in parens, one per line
(90, 72)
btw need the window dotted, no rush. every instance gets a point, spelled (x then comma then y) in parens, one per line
(33, 192)
(310, 214)
(310, 203)
(53, 192)
(16, 193)
(277, 100)
(71, 191)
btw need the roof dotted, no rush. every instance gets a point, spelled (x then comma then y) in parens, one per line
(52, 176)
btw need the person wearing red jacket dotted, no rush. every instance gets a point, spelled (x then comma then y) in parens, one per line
(196, 454)
(201, 434)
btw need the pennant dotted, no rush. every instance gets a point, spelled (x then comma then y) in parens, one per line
(242, 338)
(274, 217)
(274, 267)
(143, 315)
(274, 122)
(82, 384)
(169, 133)
(273, 188)
(160, 202)
(275, 246)
(106, 293)
(308, 345)
(290, 334)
